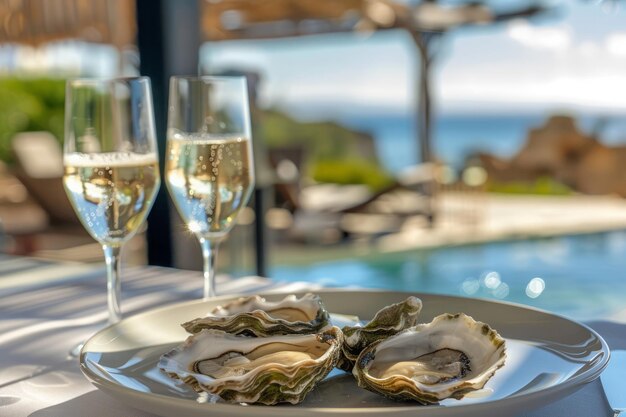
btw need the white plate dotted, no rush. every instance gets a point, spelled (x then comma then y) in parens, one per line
(548, 357)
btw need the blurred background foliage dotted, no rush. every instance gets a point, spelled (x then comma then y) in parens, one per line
(332, 153)
(29, 104)
(351, 171)
(541, 186)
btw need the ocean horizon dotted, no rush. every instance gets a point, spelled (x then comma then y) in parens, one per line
(458, 136)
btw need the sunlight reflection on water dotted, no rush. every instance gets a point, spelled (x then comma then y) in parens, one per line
(580, 276)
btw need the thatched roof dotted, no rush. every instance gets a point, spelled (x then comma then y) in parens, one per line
(113, 21)
(237, 19)
(34, 22)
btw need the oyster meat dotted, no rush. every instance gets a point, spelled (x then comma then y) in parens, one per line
(387, 322)
(446, 358)
(254, 316)
(267, 370)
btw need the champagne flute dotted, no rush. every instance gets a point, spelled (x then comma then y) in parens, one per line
(209, 165)
(111, 165)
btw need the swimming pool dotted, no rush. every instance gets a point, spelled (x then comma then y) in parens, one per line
(582, 276)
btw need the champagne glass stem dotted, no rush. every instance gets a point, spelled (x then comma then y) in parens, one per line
(209, 255)
(112, 259)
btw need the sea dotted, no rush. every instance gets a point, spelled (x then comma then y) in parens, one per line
(455, 137)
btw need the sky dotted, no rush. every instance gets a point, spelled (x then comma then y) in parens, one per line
(578, 60)
(574, 58)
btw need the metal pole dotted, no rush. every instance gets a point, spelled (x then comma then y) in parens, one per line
(168, 37)
(424, 116)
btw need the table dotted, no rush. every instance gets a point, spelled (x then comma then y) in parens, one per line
(47, 307)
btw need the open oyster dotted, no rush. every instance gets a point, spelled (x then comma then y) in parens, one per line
(387, 322)
(267, 370)
(254, 316)
(449, 357)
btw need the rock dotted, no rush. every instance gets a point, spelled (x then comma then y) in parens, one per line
(553, 146)
(503, 170)
(560, 150)
(601, 171)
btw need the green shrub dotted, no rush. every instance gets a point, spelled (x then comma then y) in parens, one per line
(351, 171)
(331, 150)
(541, 186)
(29, 104)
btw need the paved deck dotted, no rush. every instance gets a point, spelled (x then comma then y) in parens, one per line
(465, 218)
(469, 218)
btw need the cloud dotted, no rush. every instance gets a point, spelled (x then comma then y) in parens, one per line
(553, 38)
(590, 90)
(616, 43)
(589, 49)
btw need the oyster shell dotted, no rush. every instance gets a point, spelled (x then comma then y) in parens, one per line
(266, 370)
(387, 322)
(254, 316)
(449, 357)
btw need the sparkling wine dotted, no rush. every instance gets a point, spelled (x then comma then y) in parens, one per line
(112, 193)
(210, 179)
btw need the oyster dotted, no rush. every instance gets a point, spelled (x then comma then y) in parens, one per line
(254, 316)
(449, 357)
(266, 370)
(388, 321)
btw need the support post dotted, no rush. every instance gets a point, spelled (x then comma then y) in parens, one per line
(168, 37)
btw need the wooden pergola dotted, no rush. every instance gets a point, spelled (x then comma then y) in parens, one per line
(425, 22)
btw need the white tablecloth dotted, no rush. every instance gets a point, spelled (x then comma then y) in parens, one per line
(46, 308)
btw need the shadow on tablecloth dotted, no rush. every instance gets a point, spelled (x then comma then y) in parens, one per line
(88, 405)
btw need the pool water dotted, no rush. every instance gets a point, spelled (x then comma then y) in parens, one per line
(582, 276)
